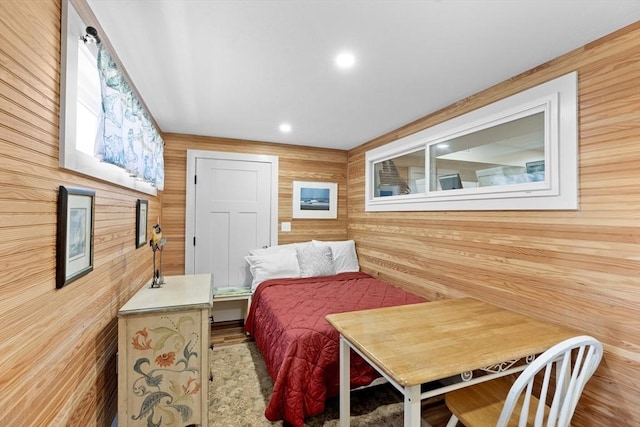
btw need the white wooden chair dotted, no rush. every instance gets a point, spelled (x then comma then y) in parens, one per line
(493, 402)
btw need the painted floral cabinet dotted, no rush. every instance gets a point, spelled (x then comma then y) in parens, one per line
(163, 354)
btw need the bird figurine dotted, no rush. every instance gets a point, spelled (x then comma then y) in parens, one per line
(157, 243)
(156, 235)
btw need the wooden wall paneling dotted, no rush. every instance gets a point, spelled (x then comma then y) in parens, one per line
(296, 163)
(580, 268)
(58, 353)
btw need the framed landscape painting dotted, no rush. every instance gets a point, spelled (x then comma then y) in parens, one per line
(142, 213)
(318, 200)
(74, 242)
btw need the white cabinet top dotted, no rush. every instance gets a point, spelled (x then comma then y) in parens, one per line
(177, 293)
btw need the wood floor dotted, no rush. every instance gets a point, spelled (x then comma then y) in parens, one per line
(434, 411)
(227, 333)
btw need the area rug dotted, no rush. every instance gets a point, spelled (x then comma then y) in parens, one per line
(241, 389)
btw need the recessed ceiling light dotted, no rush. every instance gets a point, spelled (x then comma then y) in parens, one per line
(345, 60)
(285, 127)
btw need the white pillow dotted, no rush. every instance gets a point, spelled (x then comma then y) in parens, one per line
(345, 258)
(277, 248)
(315, 261)
(273, 265)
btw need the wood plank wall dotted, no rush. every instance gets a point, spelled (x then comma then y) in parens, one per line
(57, 347)
(296, 163)
(579, 268)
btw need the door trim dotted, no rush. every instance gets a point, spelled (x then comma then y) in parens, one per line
(192, 156)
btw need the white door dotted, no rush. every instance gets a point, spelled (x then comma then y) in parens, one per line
(233, 211)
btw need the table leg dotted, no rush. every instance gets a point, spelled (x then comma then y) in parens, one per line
(412, 407)
(345, 389)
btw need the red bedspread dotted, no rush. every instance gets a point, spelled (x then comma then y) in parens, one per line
(287, 321)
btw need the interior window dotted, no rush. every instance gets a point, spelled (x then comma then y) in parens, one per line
(505, 155)
(399, 175)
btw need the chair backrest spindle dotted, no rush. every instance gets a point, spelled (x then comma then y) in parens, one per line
(571, 379)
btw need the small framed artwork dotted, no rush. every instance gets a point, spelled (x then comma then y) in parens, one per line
(74, 243)
(142, 213)
(318, 200)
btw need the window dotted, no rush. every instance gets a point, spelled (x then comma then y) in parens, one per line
(88, 101)
(80, 106)
(517, 153)
(403, 174)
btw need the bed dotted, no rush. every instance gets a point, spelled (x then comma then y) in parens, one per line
(287, 322)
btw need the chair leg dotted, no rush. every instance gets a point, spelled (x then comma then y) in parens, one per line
(453, 421)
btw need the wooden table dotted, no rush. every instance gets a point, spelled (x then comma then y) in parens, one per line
(414, 344)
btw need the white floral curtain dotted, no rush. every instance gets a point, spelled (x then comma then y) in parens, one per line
(126, 136)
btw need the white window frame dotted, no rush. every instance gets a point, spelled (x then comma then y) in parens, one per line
(559, 191)
(73, 28)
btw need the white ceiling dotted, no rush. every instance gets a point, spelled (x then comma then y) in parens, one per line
(238, 68)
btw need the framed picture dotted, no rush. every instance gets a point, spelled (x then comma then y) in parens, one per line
(318, 200)
(142, 213)
(74, 245)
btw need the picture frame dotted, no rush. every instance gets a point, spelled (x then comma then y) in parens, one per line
(142, 215)
(315, 200)
(74, 242)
